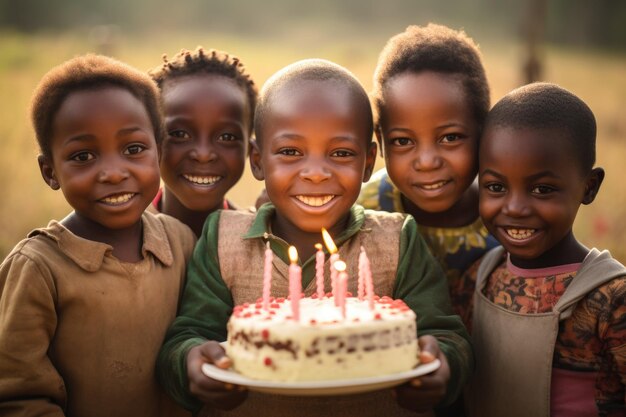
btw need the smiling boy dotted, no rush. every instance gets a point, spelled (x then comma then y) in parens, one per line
(549, 320)
(313, 149)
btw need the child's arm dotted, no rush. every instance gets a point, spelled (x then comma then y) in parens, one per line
(421, 283)
(608, 303)
(203, 313)
(29, 382)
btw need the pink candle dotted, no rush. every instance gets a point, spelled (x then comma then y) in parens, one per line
(342, 286)
(295, 283)
(319, 271)
(361, 282)
(267, 276)
(334, 257)
(369, 282)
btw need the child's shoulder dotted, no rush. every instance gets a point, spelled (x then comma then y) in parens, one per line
(384, 217)
(42, 249)
(605, 274)
(168, 229)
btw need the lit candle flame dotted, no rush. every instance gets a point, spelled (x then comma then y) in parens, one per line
(318, 246)
(293, 254)
(340, 266)
(328, 241)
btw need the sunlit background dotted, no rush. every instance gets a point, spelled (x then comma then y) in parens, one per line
(578, 44)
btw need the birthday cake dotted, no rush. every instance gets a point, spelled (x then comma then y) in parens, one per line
(364, 338)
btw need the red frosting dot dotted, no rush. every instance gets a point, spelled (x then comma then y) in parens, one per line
(265, 334)
(377, 316)
(267, 361)
(313, 321)
(280, 300)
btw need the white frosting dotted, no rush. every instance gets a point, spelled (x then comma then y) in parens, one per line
(322, 345)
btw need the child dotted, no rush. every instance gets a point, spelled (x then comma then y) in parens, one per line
(431, 97)
(549, 314)
(313, 148)
(208, 103)
(85, 302)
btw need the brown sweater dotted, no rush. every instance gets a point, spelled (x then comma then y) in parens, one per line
(80, 330)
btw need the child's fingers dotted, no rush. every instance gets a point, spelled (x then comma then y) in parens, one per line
(429, 349)
(214, 353)
(199, 384)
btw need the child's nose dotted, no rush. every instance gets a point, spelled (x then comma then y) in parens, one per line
(112, 173)
(204, 152)
(516, 205)
(427, 159)
(315, 172)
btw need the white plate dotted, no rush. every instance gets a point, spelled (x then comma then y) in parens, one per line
(328, 387)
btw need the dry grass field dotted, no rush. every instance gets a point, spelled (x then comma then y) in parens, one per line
(600, 79)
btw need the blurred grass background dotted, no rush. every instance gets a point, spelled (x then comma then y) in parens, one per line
(582, 47)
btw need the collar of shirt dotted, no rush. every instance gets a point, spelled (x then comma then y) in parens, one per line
(89, 254)
(261, 228)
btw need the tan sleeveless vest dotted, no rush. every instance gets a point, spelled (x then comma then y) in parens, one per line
(514, 351)
(380, 236)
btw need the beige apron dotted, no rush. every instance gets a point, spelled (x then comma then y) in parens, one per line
(380, 235)
(514, 351)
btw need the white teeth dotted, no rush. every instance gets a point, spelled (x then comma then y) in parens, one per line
(434, 186)
(119, 199)
(316, 201)
(520, 234)
(202, 180)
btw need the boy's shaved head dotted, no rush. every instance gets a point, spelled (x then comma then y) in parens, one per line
(548, 106)
(312, 70)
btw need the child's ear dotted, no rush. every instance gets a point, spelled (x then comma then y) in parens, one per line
(255, 160)
(594, 181)
(379, 138)
(47, 172)
(370, 160)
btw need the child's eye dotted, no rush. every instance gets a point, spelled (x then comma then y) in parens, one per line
(342, 153)
(289, 152)
(82, 156)
(179, 134)
(228, 137)
(542, 189)
(495, 187)
(451, 137)
(400, 141)
(134, 149)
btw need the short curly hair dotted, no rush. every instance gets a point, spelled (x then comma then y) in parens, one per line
(317, 70)
(89, 72)
(438, 49)
(548, 106)
(213, 62)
